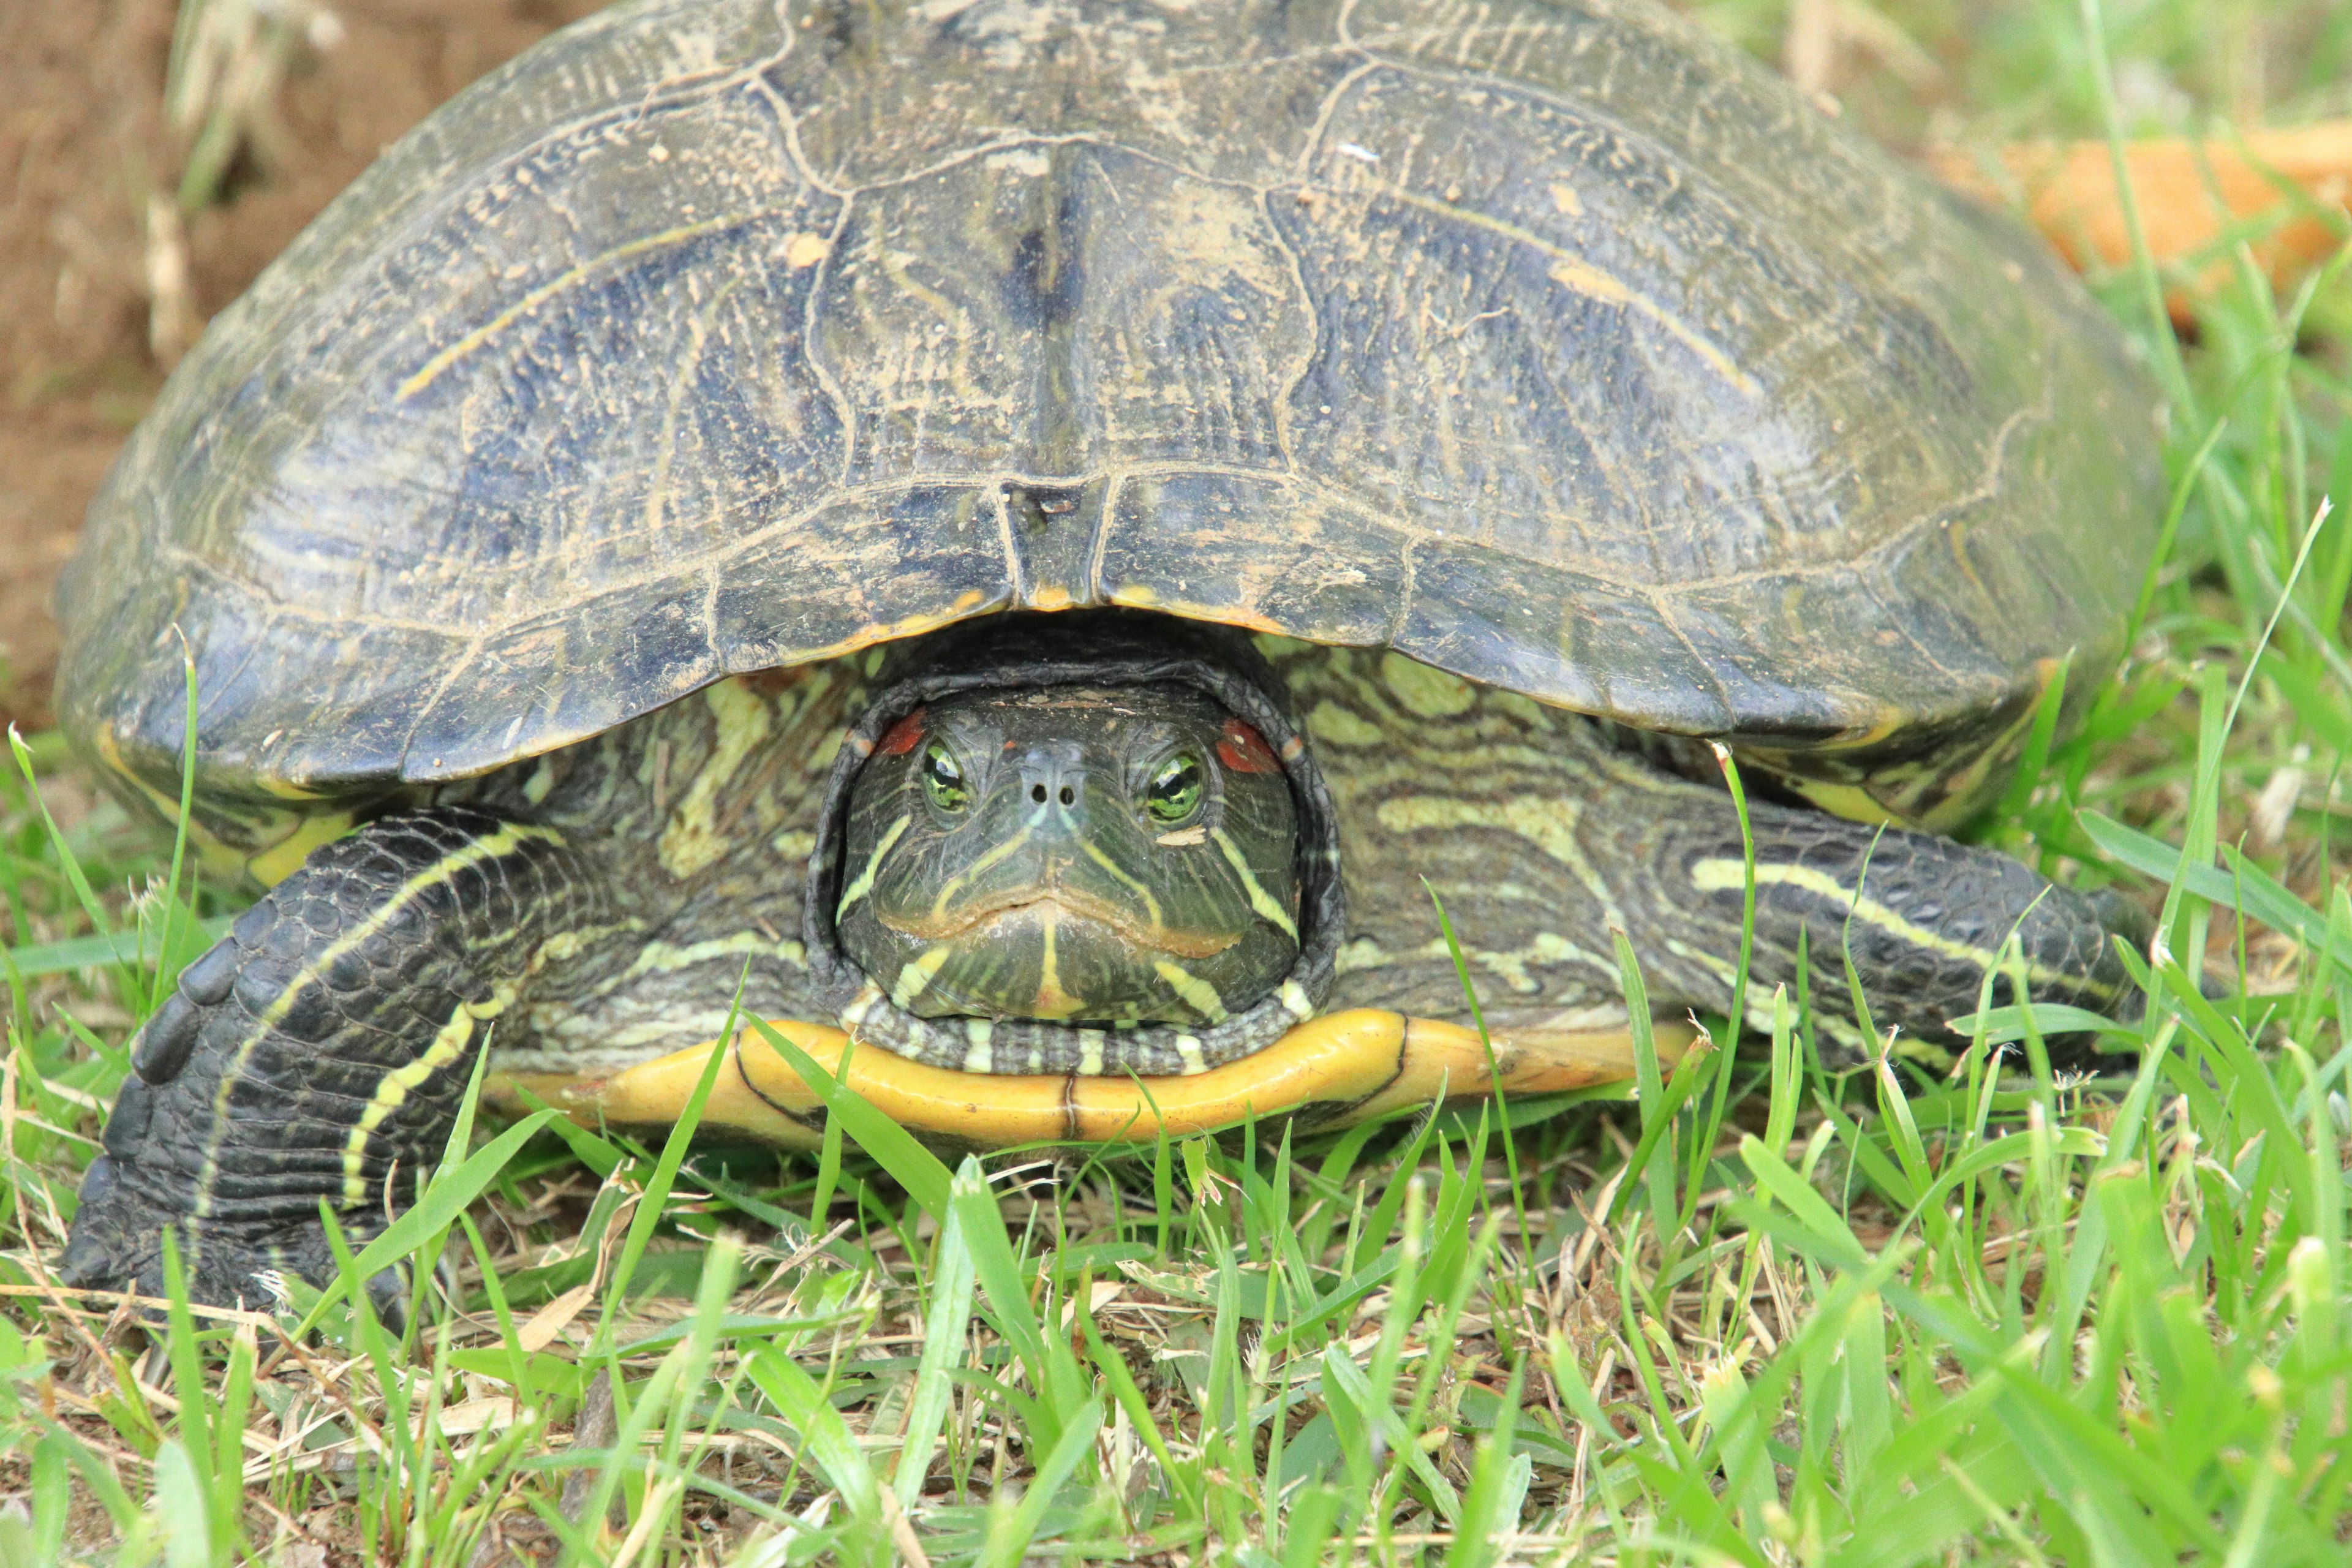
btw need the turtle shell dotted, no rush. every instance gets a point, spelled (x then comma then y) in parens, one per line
(1553, 344)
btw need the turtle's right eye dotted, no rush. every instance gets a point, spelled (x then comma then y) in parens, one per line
(943, 780)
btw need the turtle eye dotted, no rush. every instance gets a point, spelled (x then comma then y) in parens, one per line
(1174, 795)
(943, 780)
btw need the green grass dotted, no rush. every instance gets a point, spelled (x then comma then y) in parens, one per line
(1770, 1314)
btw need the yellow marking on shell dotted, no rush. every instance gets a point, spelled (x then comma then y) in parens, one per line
(1573, 271)
(1197, 993)
(805, 249)
(394, 1089)
(1720, 874)
(563, 283)
(865, 882)
(1852, 802)
(980, 1054)
(1137, 596)
(1547, 822)
(1329, 722)
(1188, 1051)
(1958, 792)
(915, 978)
(1564, 198)
(1885, 721)
(1183, 837)
(504, 840)
(285, 857)
(1356, 1065)
(1267, 907)
(1090, 1053)
(1425, 690)
(692, 842)
(1606, 289)
(1050, 596)
(231, 862)
(905, 626)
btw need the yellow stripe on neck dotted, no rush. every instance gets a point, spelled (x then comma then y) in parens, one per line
(865, 882)
(1262, 903)
(1197, 993)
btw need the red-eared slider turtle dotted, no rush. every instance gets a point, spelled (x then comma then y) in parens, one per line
(615, 544)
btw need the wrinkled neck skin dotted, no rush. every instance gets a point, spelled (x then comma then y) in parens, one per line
(703, 819)
(1102, 854)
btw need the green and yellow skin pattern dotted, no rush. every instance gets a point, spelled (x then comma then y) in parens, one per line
(1119, 856)
(600, 906)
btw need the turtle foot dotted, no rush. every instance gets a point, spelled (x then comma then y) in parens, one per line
(117, 1244)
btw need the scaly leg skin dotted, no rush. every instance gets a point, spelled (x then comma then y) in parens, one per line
(1540, 836)
(1925, 919)
(319, 1052)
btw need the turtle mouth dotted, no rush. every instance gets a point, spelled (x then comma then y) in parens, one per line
(1075, 904)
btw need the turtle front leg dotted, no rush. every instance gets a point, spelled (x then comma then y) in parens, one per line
(1923, 918)
(317, 1052)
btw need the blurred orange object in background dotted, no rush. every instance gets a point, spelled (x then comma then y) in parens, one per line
(2288, 192)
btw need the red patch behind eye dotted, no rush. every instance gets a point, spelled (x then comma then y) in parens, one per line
(900, 738)
(1245, 751)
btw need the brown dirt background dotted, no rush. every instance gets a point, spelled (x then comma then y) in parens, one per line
(83, 143)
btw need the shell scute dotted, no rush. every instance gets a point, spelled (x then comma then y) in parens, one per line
(1553, 345)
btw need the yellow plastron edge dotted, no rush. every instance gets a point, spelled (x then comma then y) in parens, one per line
(1365, 1062)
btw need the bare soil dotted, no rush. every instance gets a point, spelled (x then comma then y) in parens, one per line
(83, 146)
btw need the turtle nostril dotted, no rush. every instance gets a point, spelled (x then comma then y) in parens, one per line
(1068, 795)
(1037, 793)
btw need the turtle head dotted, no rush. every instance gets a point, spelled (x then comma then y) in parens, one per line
(1081, 853)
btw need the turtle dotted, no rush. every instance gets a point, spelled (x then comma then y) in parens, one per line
(1035, 548)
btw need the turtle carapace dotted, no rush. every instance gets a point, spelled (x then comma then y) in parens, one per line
(1020, 542)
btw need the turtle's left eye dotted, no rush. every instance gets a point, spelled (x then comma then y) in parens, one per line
(943, 780)
(1174, 794)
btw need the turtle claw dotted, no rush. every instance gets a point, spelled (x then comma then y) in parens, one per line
(94, 1255)
(117, 1244)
